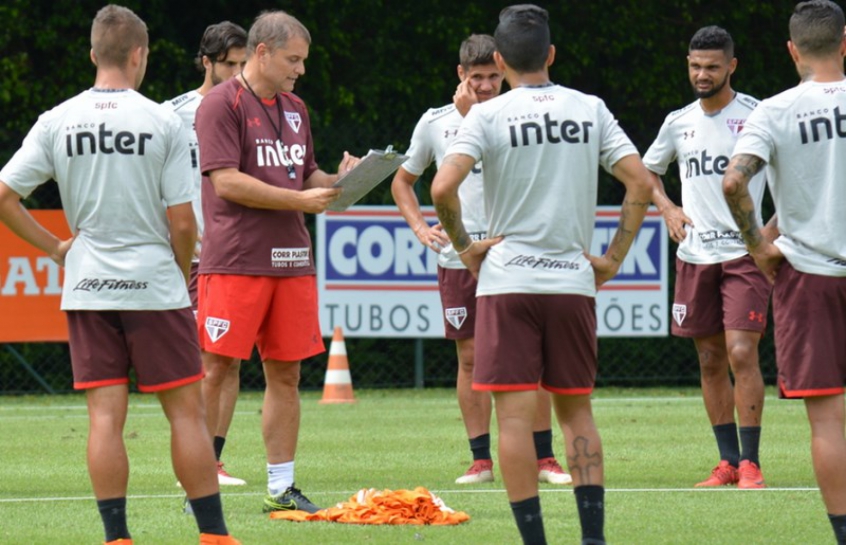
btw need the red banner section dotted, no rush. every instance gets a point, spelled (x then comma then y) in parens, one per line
(31, 286)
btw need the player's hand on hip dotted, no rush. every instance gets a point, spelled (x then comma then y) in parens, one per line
(348, 163)
(768, 258)
(316, 200)
(677, 221)
(473, 255)
(61, 251)
(604, 268)
(432, 236)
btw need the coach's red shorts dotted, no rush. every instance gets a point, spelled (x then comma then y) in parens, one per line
(810, 333)
(525, 338)
(161, 345)
(458, 299)
(733, 295)
(278, 314)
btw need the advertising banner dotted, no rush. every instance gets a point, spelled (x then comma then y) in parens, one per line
(31, 286)
(375, 279)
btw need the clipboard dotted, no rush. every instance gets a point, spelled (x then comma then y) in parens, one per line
(375, 167)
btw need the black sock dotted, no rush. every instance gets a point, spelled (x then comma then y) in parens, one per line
(209, 514)
(113, 513)
(838, 522)
(590, 499)
(481, 447)
(218, 446)
(527, 514)
(750, 438)
(543, 444)
(726, 435)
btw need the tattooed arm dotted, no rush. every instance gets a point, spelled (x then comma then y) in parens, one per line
(451, 173)
(740, 171)
(631, 172)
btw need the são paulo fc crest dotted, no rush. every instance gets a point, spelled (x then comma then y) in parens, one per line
(679, 312)
(294, 120)
(735, 125)
(456, 316)
(216, 328)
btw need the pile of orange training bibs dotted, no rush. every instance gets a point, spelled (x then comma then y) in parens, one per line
(371, 506)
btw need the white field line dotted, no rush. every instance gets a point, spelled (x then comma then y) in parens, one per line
(138, 406)
(348, 493)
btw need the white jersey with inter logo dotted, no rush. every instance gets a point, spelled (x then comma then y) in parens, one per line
(541, 148)
(185, 106)
(702, 145)
(119, 161)
(801, 134)
(432, 136)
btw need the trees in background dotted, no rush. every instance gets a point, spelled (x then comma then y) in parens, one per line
(376, 65)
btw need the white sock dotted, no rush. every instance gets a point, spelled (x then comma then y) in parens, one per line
(279, 477)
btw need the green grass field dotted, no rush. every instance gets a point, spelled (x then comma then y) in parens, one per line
(657, 444)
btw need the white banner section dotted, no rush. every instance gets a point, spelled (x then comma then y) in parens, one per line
(375, 279)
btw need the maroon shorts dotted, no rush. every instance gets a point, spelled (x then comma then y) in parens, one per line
(278, 314)
(161, 345)
(526, 338)
(192, 286)
(733, 295)
(810, 333)
(458, 299)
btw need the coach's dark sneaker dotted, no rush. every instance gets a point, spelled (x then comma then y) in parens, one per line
(289, 500)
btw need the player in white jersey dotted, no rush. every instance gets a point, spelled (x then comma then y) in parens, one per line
(721, 298)
(222, 54)
(124, 178)
(800, 135)
(480, 80)
(541, 145)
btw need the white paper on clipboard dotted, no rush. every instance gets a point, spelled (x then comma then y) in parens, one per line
(375, 167)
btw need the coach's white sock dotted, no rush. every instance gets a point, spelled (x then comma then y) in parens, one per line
(279, 477)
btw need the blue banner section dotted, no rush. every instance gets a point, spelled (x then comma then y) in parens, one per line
(371, 250)
(643, 263)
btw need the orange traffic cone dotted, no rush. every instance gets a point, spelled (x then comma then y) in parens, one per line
(337, 388)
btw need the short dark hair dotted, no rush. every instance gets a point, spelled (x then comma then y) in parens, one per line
(816, 28)
(217, 40)
(522, 37)
(712, 38)
(115, 33)
(477, 50)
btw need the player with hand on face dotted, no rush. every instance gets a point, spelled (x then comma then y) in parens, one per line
(481, 80)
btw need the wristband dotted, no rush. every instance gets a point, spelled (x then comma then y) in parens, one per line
(464, 251)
